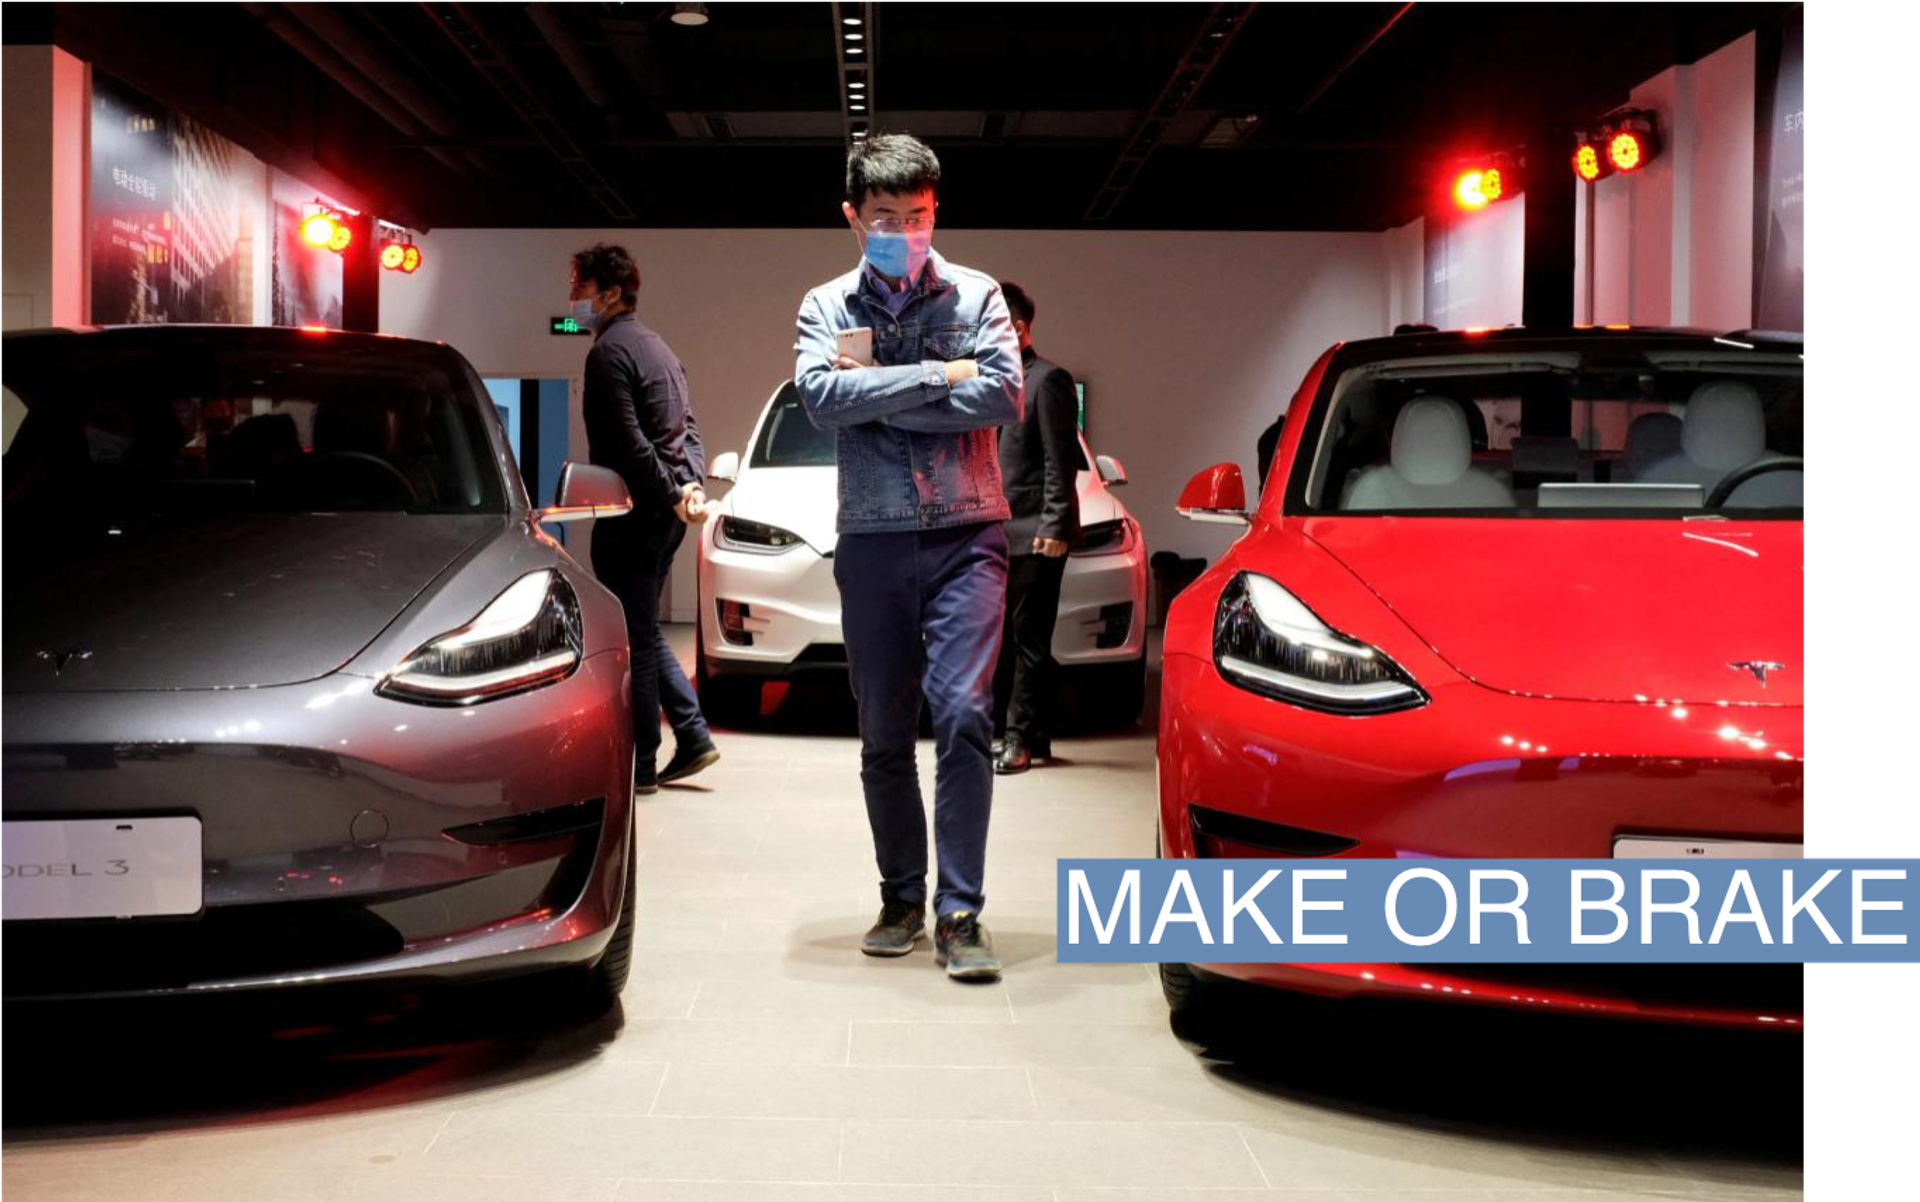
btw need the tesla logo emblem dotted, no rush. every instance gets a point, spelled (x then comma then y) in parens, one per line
(60, 659)
(1759, 668)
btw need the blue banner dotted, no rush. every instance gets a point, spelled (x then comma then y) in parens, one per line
(1488, 911)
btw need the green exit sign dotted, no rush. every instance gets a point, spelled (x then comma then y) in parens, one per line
(567, 325)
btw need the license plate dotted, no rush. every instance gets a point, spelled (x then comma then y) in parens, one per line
(101, 868)
(1663, 847)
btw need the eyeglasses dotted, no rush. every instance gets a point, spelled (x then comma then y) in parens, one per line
(900, 225)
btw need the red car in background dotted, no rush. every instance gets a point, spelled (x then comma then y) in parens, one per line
(1508, 594)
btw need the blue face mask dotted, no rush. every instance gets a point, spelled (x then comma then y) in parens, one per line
(583, 314)
(899, 256)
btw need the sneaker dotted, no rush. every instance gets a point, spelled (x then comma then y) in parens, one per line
(899, 925)
(689, 761)
(1011, 758)
(645, 781)
(962, 944)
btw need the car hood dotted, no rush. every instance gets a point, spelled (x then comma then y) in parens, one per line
(804, 500)
(1593, 610)
(229, 602)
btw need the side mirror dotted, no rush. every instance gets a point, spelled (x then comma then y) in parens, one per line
(1111, 471)
(587, 492)
(726, 467)
(1217, 494)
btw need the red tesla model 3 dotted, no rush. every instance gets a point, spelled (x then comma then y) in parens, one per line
(1506, 594)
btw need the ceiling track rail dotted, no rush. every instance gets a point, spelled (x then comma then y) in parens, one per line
(856, 45)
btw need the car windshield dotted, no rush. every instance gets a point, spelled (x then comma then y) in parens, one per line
(1562, 434)
(213, 424)
(788, 437)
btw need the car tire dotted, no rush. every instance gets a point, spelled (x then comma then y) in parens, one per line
(1192, 1000)
(726, 700)
(606, 980)
(1186, 993)
(1113, 695)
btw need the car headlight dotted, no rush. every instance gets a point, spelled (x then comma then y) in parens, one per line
(1105, 538)
(1267, 641)
(737, 534)
(526, 637)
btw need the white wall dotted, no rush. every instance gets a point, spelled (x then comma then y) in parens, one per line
(1189, 343)
(1475, 266)
(1404, 253)
(1673, 243)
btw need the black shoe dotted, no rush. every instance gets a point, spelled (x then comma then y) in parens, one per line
(688, 761)
(1012, 758)
(965, 947)
(645, 781)
(899, 925)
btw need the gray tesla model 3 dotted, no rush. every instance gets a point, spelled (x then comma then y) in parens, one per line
(297, 688)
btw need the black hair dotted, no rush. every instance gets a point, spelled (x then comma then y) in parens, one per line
(1018, 302)
(898, 163)
(609, 266)
(1415, 327)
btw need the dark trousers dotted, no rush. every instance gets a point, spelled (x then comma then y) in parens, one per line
(1022, 682)
(631, 556)
(921, 614)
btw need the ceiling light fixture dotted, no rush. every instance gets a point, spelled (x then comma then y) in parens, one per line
(689, 14)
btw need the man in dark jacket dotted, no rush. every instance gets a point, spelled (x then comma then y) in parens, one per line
(1040, 462)
(639, 424)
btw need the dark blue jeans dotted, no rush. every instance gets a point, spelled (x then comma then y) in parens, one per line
(631, 556)
(921, 613)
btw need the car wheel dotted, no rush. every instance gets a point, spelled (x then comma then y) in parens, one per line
(726, 700)
(1193, 1001)
(592, 991)
(1185, 992)
(607, 979)
(1113, 695)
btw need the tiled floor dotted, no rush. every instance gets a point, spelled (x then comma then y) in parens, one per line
(758, 1056)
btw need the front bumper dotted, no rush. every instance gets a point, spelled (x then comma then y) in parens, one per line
(1103, 609)
(1482, 774)
(793, 611)
(345, 836)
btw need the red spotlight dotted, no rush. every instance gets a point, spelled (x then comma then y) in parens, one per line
(1632, 141)
(1626, 151)
(1487, 179)
(410, 259)
(1473, 191)
(1587, 163)
(391, 254)
(1469, 191)
(319, 230)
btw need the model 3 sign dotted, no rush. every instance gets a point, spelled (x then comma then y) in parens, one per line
(101, 868)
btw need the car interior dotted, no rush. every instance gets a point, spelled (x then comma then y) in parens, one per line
(1546, 440)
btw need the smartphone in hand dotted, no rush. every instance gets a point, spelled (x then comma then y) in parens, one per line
(857, 345)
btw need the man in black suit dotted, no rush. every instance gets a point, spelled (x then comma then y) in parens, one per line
(1040, 461)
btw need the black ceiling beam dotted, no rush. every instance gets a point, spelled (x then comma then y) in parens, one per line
(458, 23)
(1222, 24)
(1359, 52)
(347, 61)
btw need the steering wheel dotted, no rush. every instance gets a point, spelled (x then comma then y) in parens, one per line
(362, 468)
(1724, 489)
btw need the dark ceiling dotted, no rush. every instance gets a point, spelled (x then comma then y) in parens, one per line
(1313, 116)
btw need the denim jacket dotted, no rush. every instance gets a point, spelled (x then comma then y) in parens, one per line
(914, 453)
